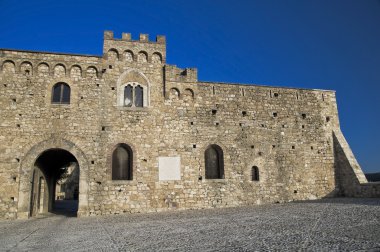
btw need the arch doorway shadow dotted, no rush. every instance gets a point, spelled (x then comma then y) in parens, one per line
(55, 184)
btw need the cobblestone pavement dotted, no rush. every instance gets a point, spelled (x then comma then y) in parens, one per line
(325, 225)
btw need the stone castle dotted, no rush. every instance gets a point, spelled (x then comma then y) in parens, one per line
(147, 136)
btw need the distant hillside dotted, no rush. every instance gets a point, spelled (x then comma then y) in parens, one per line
(373, 177)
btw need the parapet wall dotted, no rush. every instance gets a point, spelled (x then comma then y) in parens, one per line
(175, 74)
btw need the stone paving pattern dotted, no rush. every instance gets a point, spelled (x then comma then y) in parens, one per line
(341, 224)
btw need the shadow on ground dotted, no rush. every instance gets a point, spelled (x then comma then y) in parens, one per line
(66, 208)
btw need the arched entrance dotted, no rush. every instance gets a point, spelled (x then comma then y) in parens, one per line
(39, 174)
(55, 183)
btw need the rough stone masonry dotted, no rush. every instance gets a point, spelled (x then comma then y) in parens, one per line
(148, 136)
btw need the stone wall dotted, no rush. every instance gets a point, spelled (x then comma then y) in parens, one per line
(350, 177)
(286, 132)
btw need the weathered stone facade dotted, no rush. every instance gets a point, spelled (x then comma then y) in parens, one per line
(287, 133)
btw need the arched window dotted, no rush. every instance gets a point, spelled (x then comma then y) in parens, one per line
(61, 93)
(134, 95)
(138, 96)
(128, 98)
(122, 160)
(255, 173)
(214, 162)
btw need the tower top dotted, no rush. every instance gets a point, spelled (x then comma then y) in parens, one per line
(109, 35)
(125, 44)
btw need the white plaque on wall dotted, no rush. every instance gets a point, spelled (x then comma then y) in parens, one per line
(169, 168)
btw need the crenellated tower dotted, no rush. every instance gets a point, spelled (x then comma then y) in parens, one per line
(140, 51)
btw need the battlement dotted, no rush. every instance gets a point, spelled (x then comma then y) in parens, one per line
(109, 35)
(176, 74)
(140, 51)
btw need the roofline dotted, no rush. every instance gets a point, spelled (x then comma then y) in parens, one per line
(265, 86)
(44, 52)
(210, 82)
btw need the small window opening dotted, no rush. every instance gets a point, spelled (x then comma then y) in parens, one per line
(311, 147)
(214, 111)
(295, 191)
(5, 85)
(216, 124)
(273, 146)
(303, 126)
(18, 125)
(244, 113)
(297, 96)
(27, 72)
(283, 125)
(200, 178)
(255, 173)
(17, 160)
(110, 66)
(240, 124)
(270, 93)
(92, 162)
(97, 85)
(327, 118)
(274, 114)
(303, 116)
(260, 153)
(14, 178)
(262, 125)
(275, 95)
(13, 198)
(194, 146)
(103, 128)
(293, 147)
(113, 88)
(213, 90)
(323, 97)
(98, 182)
(252, 146)
(191, 123)
(14, 99)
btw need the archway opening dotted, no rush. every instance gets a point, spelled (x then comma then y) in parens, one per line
(55, 183)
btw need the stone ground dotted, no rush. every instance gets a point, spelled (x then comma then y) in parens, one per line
(341, 224)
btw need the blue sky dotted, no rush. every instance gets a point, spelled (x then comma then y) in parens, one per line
(325, 44)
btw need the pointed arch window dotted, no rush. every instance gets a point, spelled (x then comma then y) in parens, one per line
(61, 93)
(139, 96)
(133, 94)
(214, 163)
(122, 161)
(128, 97)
